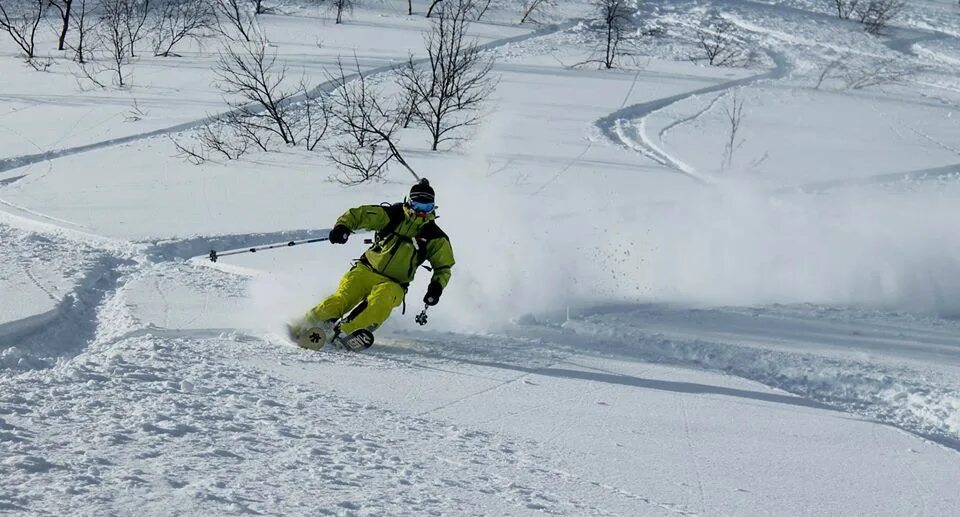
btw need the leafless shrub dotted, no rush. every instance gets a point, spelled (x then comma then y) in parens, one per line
(845, 8)
(734, 117)
(875, 15)
(234, 20)
(365, 127)
(718, 40)
(135, 16)
(450, 89)
(856, 75)
(616, 18)
(339, 7)
(826, 71)
(180, 20)
(257, 83)
(315, 120)
(218, 138)
(262, 109)
(433, 5)
(534, 7)
(115, 37)
(20, 20)
(480, 8)
(86, 27)
(888, 71)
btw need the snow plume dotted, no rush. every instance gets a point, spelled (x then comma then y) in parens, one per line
(891, 246)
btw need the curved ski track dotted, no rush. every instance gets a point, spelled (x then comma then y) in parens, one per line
(16, 162)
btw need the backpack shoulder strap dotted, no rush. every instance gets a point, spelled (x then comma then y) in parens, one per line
(395, 213)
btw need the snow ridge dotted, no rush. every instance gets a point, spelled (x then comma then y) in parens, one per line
(915, 402)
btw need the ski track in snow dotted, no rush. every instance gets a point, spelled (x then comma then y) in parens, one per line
(914, 401)
(627, 126)
(326, 87)
(114, 412)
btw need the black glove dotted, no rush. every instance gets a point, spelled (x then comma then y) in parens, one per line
(433, 294)
(339, 234)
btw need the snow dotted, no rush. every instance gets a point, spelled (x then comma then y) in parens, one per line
(634, 327)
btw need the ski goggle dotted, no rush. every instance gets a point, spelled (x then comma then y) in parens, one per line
(425, 208)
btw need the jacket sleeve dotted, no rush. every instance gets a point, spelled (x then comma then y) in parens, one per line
(366, 217)
(440, 255)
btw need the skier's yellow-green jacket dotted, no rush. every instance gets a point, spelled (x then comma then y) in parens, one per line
(404, 241)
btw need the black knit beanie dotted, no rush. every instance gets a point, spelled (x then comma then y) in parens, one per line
(422, 192)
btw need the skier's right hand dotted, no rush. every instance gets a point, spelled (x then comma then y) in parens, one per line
(339, 234)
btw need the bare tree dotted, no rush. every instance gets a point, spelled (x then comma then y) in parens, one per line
(734, 115)
(115, 37)
(857, 75)
(719, 42)
(85, 26)
(136, 13)
(63, 7)
(433, 5)
(879, 73)
(315, 118)
(845, 8)
(339, 7)
(258, 7)
(180, 20)
(533, 7)
(366, 129)
(481, 8)
(456, 80)
(219, 137)
(877, 14)
(20, 19)
(259, 85)
(616, 19)
(232, 15)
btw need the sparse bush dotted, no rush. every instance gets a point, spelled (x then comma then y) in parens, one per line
(535, 7)
(234, 20)
(179, 20)
(339, 7)
(365, 128)
(20, 20)
(446, 94)
(616, 18)
(875, 15)
(259, 90)
(114, 36)
(720, 43)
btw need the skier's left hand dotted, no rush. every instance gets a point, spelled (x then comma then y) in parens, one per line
(434, 290)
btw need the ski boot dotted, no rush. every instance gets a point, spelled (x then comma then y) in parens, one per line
(359, 341)
(312, 335)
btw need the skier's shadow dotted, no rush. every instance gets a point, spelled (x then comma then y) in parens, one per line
(596, 375)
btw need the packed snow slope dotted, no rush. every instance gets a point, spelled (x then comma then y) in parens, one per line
(643, 319)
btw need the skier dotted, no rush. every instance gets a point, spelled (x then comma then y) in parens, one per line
(407, 235)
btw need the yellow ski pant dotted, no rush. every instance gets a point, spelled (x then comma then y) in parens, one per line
(361, 282)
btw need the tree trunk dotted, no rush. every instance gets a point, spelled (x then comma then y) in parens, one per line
(66, 23)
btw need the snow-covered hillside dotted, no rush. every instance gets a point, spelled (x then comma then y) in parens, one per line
(647, 316)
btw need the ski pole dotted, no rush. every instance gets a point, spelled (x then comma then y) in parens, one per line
(422, 317)
(214, 254)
